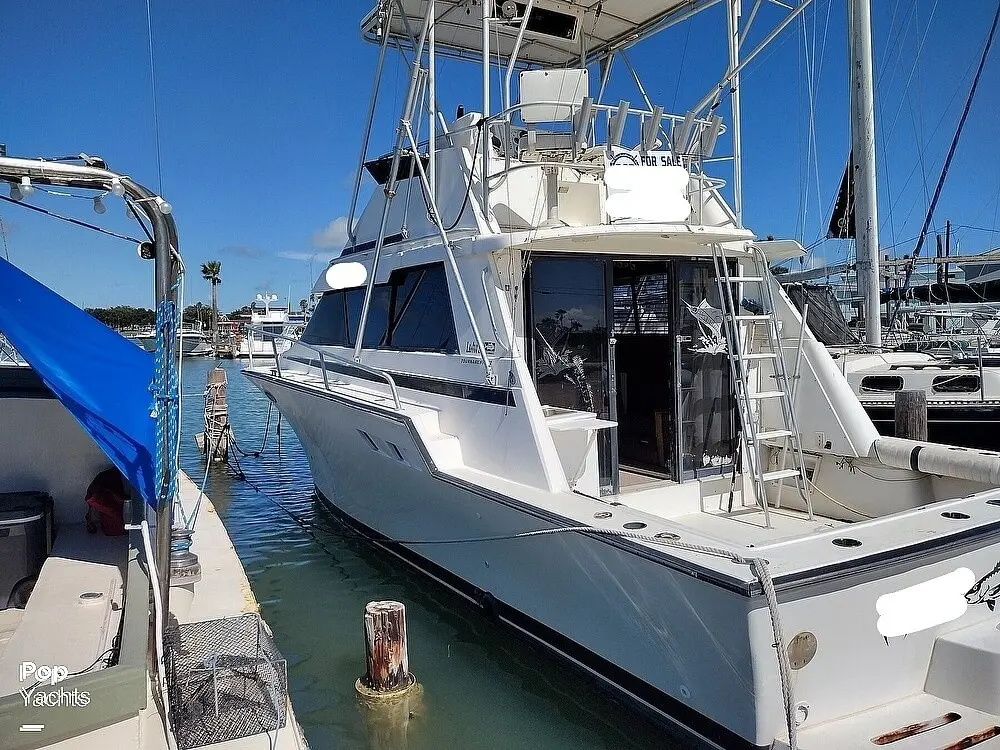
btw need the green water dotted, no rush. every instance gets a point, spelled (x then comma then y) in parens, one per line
(483, 686)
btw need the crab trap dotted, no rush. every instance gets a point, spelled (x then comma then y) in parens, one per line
(226, 680)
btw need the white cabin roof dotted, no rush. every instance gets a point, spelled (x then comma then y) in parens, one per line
(559, 32)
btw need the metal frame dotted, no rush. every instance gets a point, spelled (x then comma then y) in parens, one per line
(691, 129)
(94, 175)
(378, 372)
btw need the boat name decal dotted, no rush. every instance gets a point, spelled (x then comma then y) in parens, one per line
(472, 347)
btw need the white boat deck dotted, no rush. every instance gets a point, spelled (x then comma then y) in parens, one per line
(906, 714)
(223, 591)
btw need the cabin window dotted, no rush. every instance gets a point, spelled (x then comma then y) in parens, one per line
(378, 317)
(882, 383)
(421, 311)
(956, 384)
(412, 312)
(328, 325)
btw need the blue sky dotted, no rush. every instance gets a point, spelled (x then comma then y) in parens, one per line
(261, 105)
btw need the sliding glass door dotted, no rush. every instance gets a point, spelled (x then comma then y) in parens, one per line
(569, 337)
(705, 402)
(639, 342)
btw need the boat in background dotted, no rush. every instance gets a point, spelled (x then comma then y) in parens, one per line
(192, 337)
(270, 330)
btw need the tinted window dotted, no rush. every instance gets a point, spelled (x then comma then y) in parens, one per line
(415, 301)
(328, 325)
(882, 383)
(421, 312)
(355, 300)
(956, 383)
(378, 318)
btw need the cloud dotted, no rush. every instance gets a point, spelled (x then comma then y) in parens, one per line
(318, 256)
(242, 251)
(333, 234)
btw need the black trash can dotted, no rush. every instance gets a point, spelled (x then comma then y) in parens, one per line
(25, 542)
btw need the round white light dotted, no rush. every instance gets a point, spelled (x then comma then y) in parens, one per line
(117, 188)
(26, 187)
(165, 208)
(345, 275)
(15, 192)
(99, 207)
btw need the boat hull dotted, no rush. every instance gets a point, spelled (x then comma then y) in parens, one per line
(190, 346)
(690, 650)
(966, 425)
(615, 614)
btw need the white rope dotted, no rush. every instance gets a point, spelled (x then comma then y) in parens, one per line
(759, 568)
(757, 565)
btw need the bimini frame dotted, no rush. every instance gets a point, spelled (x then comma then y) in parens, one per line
(391, 23)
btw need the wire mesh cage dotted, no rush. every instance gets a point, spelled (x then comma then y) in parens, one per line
(226, 680)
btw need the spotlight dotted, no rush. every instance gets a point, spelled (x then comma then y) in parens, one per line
(145, 250)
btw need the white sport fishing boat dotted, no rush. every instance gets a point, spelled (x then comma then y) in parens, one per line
(552, 370)
(271, 328)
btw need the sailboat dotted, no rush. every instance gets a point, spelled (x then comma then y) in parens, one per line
(552, 370)
(959, 379)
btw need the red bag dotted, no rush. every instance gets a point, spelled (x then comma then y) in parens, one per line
(106, 496)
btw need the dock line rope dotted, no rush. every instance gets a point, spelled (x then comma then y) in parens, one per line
(757, 565)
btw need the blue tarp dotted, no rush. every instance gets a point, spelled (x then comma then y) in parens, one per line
(103, 379)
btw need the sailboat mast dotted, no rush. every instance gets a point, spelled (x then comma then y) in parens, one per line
(863, 142)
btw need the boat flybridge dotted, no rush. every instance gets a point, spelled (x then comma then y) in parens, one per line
(265, 320)
(551, 369)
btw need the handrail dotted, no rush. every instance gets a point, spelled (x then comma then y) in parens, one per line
(322, 360)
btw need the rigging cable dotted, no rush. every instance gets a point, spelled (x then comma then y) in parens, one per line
(71, 220)
(947, 161)
(152, 86)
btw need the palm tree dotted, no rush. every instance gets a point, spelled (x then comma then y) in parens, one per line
(212, 273)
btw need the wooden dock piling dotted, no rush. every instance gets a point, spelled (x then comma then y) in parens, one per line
(911, 415)
(387, 664)
(391, 696)
(216, 436)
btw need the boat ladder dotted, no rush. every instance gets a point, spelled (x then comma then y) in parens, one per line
(763, 346)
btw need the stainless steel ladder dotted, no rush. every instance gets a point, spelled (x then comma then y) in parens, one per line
(753, 438)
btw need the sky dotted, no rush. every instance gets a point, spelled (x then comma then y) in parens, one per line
(260, 107)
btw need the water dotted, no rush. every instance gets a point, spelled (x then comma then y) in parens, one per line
(483, 686)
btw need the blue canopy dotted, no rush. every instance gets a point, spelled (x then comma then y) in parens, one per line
(102, 378)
